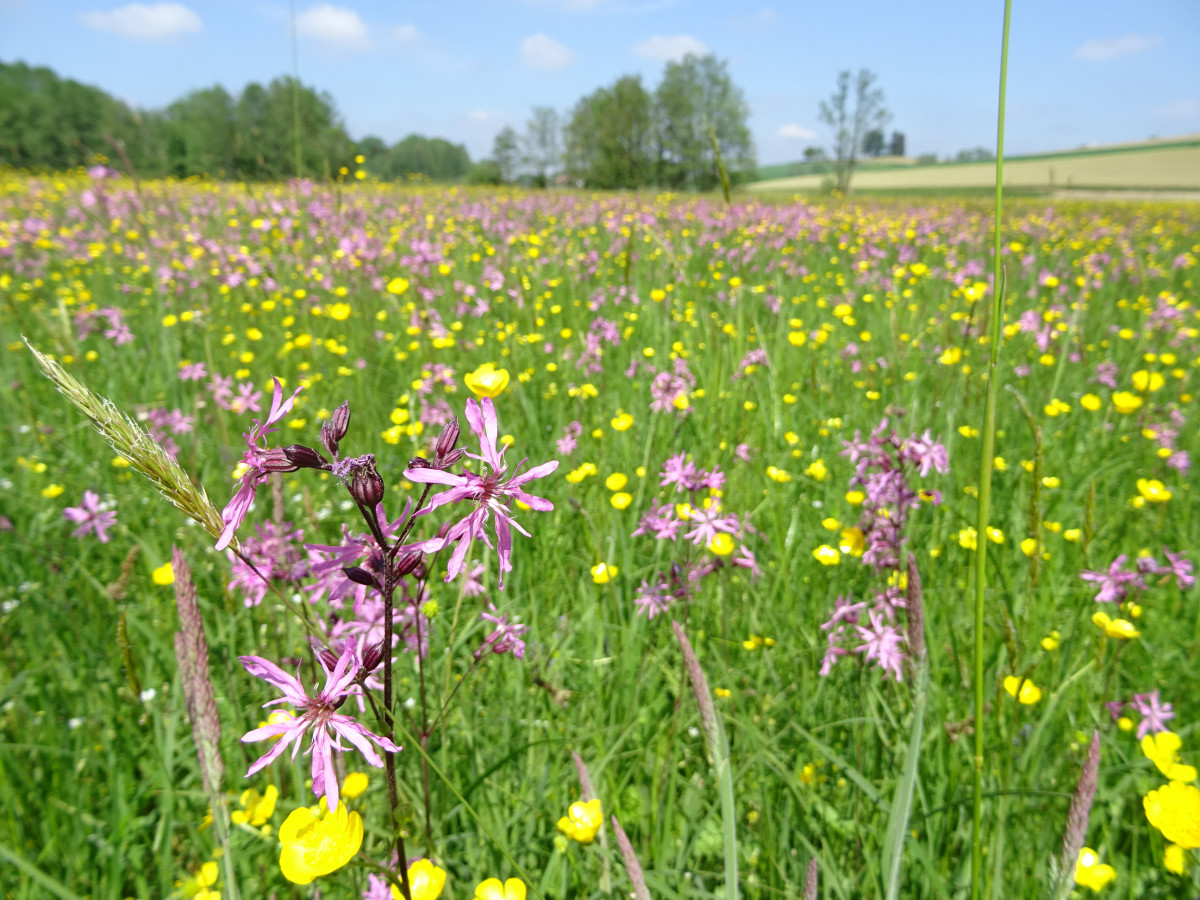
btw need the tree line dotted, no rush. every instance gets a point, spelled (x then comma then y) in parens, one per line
(619, 136)
(626, 136)
(265, 133)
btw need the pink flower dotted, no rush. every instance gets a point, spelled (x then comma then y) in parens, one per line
(492, 493)
(318, 714)
(260, 463)
(90, 517)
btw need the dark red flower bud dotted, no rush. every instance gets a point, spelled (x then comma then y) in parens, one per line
(276, 460)
(418, 462)
(305, 457)
(335, 427)
(407, 563)
(450, 459)
(372, 657)
(366, 486)
(359, 575)
(328, 658)
(448, 438)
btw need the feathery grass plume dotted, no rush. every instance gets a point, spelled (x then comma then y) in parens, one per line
(708, 714)
(718, 748)
(810, 880)
(632, 866)
(1077, 819)
(131, 442)
(191, 648)
(587, 792)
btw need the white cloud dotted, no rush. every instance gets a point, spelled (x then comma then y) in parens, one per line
(798, 132)
(337, 27)
(670, 49)
(407, 34)
(540, 51)
(160, 22)
(1181, 110)
(1113, 48)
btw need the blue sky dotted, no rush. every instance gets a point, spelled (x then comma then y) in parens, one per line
(1079, 72)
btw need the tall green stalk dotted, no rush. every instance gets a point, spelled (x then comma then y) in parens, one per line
(985, 475)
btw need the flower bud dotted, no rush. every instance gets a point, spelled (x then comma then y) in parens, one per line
(305, 457)
(447, 439)
(372, 657)
(366, 485)
(407, 563)
(328, 658)
(276, 460)
(335, 427)
(359, 575)
(418, 462)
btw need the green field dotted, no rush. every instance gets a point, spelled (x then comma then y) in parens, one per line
(1168, 165)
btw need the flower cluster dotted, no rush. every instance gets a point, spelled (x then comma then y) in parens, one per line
(883, 464)
(699, 521)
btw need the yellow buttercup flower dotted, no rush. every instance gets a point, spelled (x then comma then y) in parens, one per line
(582, 821)
(817, 471)
(827, 556)
(1052, 641)
(1153, 491)
(603, 573)
(315, 845)
(621, 500)
(1147, 381)
(1174, 809)
(1115, 628)
(163, 575)
(425, 881)
(778, 475)
(722, 544)
(1126, 402)
(616, 481)
(354, 785)
(487, 380)
(256, 808)
(1091, 873)
(492, 889)
(1163, 750)
(1175, 859)
(852, 541)
(622, 422)
(397, 286)
(1025, 691)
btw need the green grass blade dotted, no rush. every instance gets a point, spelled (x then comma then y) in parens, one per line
(902, 798)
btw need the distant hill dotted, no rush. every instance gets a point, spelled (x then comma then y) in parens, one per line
(1161, 164)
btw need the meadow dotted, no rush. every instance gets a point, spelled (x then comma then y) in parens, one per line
(766, 420)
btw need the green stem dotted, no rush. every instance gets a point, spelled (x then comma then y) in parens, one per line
(985, 476)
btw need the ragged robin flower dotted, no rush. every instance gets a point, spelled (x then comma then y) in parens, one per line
(492, 495)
